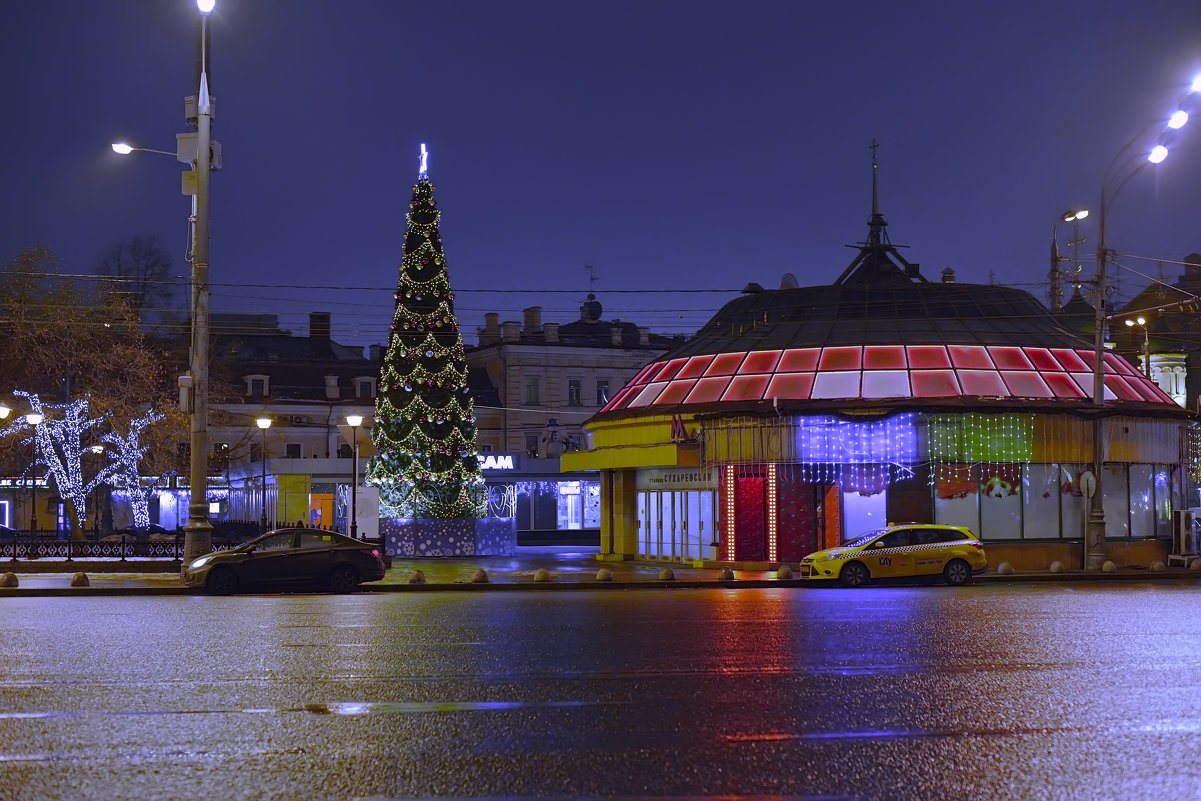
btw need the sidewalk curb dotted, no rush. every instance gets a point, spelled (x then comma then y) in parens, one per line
(592, 585)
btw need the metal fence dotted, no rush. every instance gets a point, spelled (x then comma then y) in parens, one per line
(26, 546)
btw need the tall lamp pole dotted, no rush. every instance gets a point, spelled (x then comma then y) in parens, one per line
(263, 423)
(354, 421)
(1142, 323)
(198, 533)
(1111, 184)
(33, 419)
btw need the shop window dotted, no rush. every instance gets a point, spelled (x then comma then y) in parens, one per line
(1142, 500)
(955, 496)
(1000, 501)
(863, 513)
(1072, 504)
(1041, 488)
(1115, 495)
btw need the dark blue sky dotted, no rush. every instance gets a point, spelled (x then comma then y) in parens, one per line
(671, 145)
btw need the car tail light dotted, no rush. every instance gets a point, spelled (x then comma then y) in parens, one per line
(979, 546)
(374, 553)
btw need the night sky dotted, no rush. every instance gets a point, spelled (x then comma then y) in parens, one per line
(670, 145)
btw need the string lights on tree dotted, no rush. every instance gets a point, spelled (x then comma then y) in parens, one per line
(125, 458)
(424, 434)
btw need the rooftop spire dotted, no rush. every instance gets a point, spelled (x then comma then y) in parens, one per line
(876, 235)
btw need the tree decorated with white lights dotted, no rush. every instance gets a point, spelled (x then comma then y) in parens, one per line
(424, 433)
(125, 455)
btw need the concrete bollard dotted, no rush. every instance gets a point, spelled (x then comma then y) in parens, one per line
(726, 574)
(604, 574)
(1157, 566)
(1057, 567)
(666, 574)
(1109, 567)
(9, 580)
(480, 576)
(783, 572)
(80, 580)
(1004, 569)
(418, 577)
(542, 574)
(1195, 564)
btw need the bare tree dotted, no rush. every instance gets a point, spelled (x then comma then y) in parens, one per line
(141, 269)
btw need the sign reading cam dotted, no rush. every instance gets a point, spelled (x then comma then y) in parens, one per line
(497, 461)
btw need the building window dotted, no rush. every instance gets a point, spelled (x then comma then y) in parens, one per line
(533, 391)
(574, 390)
(364, 388)
(531, 444)
(293, 450)
(345, 451)
(602, 391)
(257, 386)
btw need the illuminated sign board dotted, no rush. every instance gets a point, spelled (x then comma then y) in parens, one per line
(498, 461)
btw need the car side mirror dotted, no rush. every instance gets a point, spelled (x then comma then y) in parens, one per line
(877, 544)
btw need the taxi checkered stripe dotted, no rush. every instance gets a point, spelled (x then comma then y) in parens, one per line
(927, 546)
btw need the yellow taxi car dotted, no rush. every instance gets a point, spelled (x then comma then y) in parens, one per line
(900, 551)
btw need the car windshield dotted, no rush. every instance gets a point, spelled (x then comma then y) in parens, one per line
(863, 539)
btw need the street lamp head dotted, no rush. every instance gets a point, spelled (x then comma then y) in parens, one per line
(263, 423)
(205, 6)
(124, 148)
(1157, 154)
(1178, 119)
(1130, 323)
(1196, 87)
(1142, 320)
(4, 411)
(97, 449)
(1076, 214)
(33, 418)
(354, 420)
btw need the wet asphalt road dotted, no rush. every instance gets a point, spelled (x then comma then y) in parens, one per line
(999, 691)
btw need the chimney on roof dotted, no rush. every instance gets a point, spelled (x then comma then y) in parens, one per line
(644, 337)
(319, 327)
(490, 333)
(615, 334)
(948, 276)
(533, 320)
(591, 311)
(911, 270)
(510, 331)
(552, 332)
(375, 353)
(332, 392)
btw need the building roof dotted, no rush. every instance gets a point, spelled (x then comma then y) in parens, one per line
(882, 336)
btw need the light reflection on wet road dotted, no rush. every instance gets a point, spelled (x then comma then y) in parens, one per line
(1022, 691)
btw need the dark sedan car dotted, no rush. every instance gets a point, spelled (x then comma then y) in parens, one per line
(288, 558)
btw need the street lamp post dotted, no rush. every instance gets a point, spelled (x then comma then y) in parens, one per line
(354, 421)
(263, 423)
(33, 419)
(1055, 275)
(1111, 184)
(198, 533)
(96, 450)
(1142, 322)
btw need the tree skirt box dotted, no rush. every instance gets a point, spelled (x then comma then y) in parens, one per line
(460, 536)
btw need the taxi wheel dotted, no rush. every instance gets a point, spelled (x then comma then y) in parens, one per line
(957, 572)
(854, 574)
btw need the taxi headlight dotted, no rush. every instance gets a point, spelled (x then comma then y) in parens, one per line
(201, 562)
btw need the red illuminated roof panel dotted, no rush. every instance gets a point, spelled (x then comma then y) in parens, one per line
(1115, 363)
(884, 357)
(676, 392)
(645, 373)
(1062, 385)
(1026, 384)
(791, 386)
(1070, 360)
(761, 361)
(842, 358)
(799, 360)
(747, 388)
(695, 367)
(1042, 359)
(619, 400)
(1010, 359)
(935, 384)
(970, 357)
(725, 364)
(670, 369)
(1122, 389)
(708, 390)
(648, 394)
(985, 383)
(928, 357)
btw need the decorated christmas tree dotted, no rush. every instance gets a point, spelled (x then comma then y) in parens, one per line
(424, 433)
